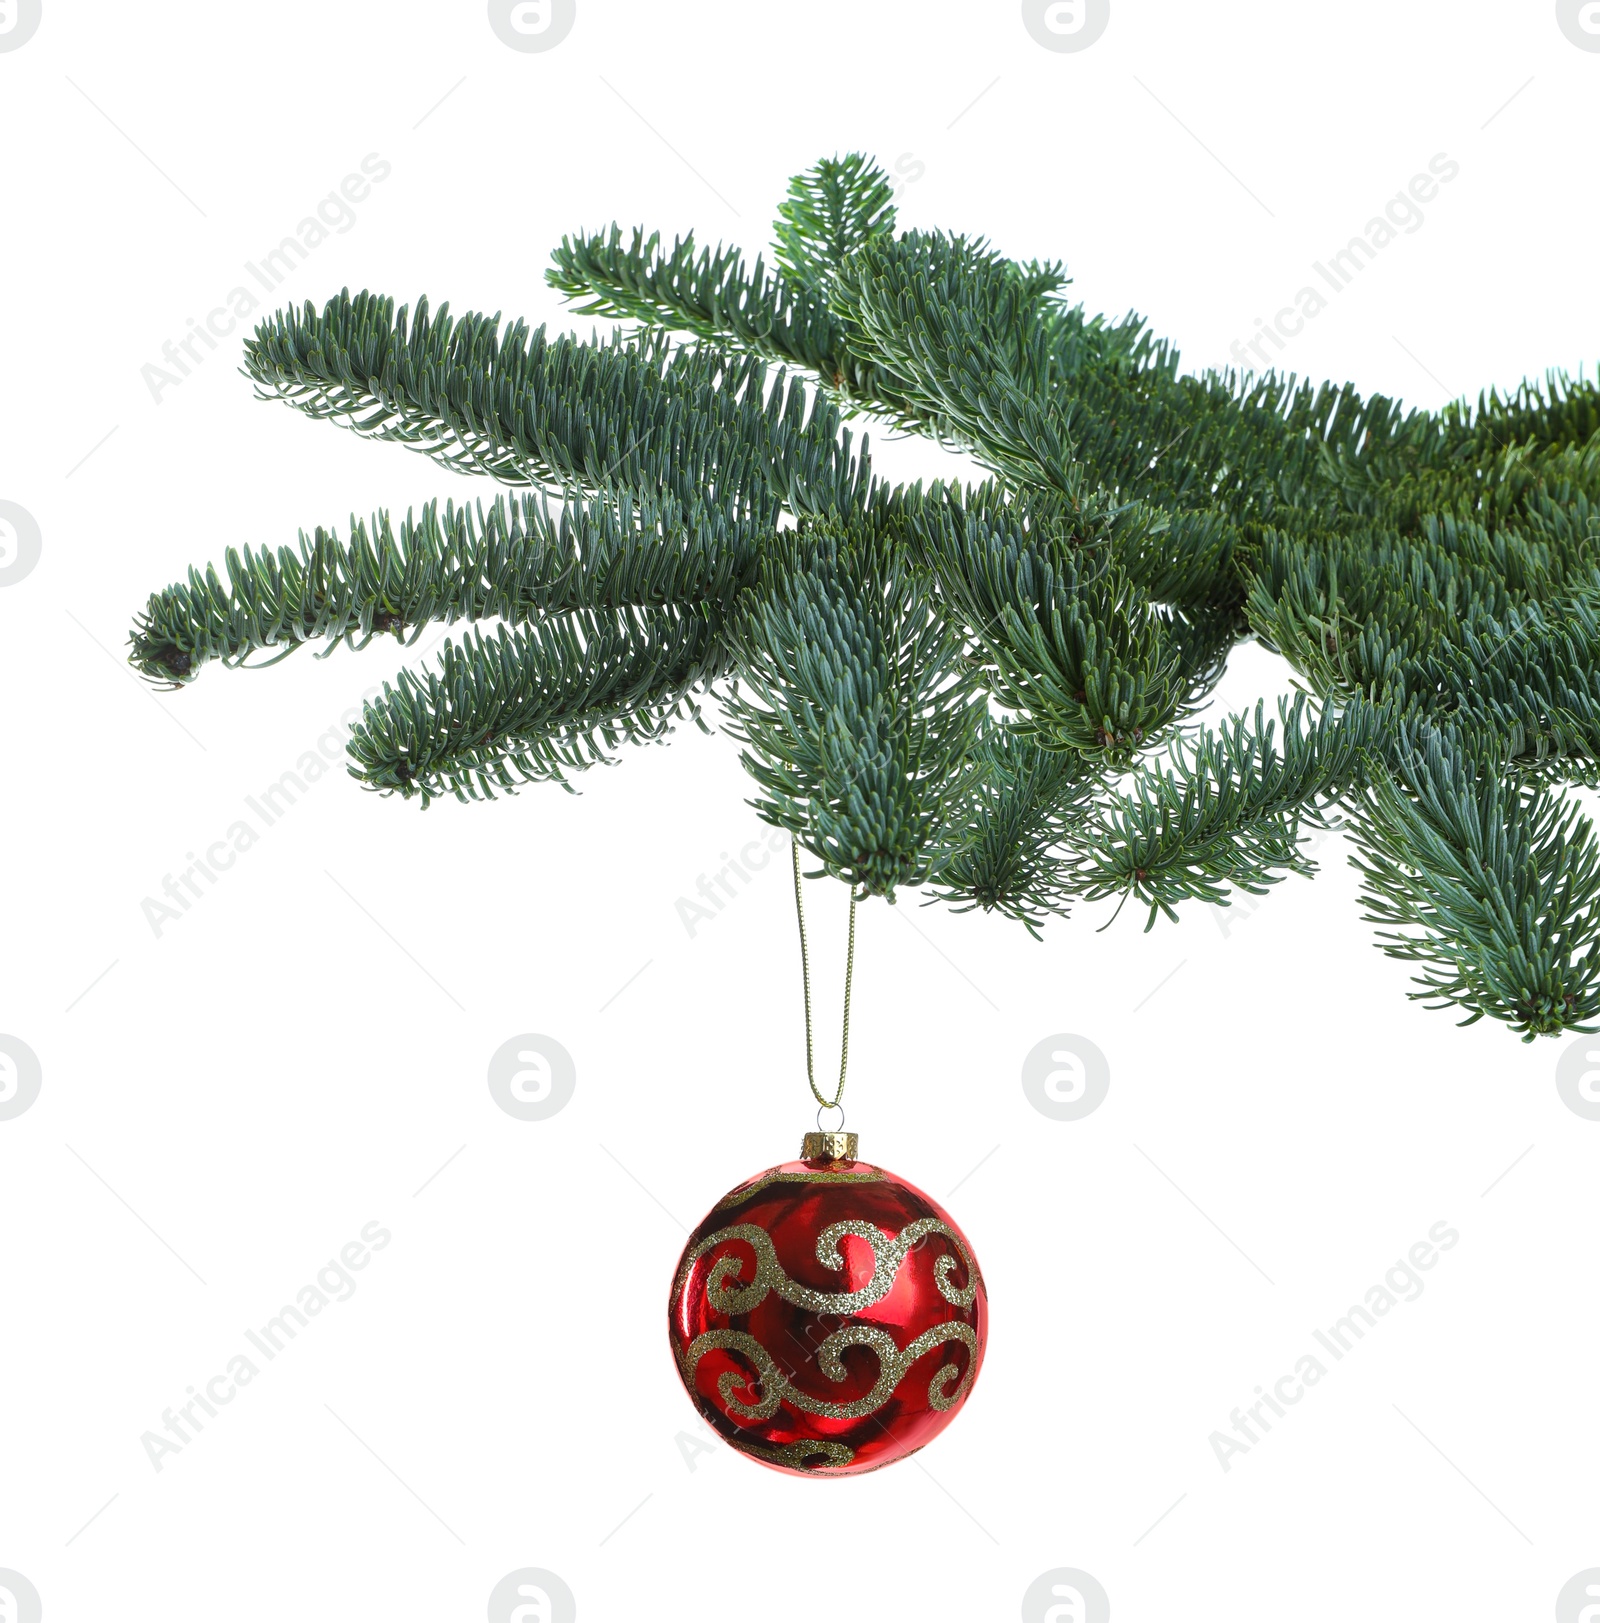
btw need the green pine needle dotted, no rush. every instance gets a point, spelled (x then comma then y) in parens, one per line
(988, 692)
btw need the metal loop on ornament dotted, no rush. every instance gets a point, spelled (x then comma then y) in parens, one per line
(837, 1129)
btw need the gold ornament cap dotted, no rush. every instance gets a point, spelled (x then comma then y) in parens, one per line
(829, 1146)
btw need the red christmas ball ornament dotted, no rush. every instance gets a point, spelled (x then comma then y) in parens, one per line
(827, 1317)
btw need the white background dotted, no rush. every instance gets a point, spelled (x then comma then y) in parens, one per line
(226, 1106)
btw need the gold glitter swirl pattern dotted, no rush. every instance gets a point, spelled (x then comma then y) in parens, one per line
(805, 1456)
(775, 1388)
(726, 1294)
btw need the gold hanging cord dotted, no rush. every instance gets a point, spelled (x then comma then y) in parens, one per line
(805, 976)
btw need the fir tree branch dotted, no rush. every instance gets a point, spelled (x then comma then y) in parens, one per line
(706, 292)
(856, 708)
(832, 211)
(1227, 809)
(958, 324)
(1491, 886)
(711, 295)
(630, 415)
(513, 560)
(1432, 577)
(1067, 642)
(1002, 851)
(1531, 681)
(538, 703)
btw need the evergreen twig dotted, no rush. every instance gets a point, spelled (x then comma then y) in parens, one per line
(989, 692)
